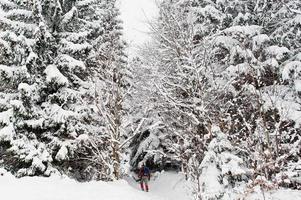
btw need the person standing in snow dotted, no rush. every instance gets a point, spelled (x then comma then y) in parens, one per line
(144, 176)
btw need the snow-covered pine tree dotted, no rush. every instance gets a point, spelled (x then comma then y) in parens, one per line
(148, 142)
(246, 57)
(49, 63)
(113, 86)
(19, 89)
(247, 54)
(283, 100)
(221, 170)
(184, 89)
(236, 63)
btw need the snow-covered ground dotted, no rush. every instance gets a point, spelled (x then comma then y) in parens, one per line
(281, 194)
(57, 188)
(163, 186)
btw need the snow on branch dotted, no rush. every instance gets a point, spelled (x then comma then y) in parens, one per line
(71, 63)
(69, 15)
(5, 116)
(135, 133)
(6, 70)
(53, 74)
(70, 47)
(7, 133)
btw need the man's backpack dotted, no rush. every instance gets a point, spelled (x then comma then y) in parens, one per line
(146, 171)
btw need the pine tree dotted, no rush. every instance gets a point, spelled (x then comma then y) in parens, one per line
(226, 64)
(221, 170)
(245, 47)
(112, 89)
(148, 137)
(182, 86)
(50, 63)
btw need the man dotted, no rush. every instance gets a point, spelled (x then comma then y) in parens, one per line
(144, 176)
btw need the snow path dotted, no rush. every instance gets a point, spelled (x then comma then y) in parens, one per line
(169, 185)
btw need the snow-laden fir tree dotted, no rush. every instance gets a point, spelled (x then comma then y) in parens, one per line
(247, 48)
(148, 143)
(221, 169)
(232, 64)
(182, 87)
(50, 59)
(113, 86)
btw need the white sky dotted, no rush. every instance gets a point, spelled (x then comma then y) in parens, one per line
(135, 13)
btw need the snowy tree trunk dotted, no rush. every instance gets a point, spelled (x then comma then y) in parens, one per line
(116, 132)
